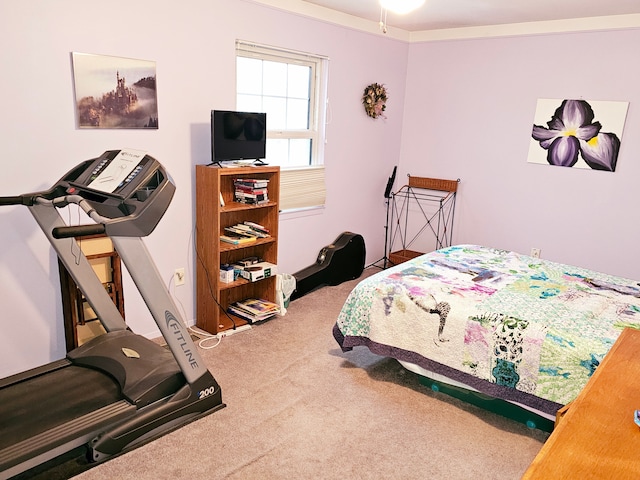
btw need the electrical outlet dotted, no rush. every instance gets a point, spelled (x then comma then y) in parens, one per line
(178, 277)
(535, 252)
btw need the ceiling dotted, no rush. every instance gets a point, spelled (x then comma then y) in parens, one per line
(445, 14)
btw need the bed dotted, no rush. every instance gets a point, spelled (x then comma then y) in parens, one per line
(509, 326)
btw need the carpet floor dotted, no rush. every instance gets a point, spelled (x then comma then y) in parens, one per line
(298, 407)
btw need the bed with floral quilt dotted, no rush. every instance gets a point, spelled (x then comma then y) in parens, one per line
(510, 326)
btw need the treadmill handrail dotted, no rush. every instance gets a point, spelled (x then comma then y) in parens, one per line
(15, 200)
(149, 283)
(76, 230)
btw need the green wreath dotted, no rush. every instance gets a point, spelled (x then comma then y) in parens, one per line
(374, 100)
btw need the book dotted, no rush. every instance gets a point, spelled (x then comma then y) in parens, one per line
(255, 191)
(234, 230)
(250, 194)
(252, 182)
(256, 226)
(256, 306)
(249, 201)
(241, 228)
(252, 201)
(236, 239)
(253, 196)
(260, 200)
(248, 317)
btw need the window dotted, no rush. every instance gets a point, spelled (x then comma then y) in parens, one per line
(291, 88)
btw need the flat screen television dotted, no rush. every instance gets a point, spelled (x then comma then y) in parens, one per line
(238, 135)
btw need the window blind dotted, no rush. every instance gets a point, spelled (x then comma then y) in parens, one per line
(302, 188)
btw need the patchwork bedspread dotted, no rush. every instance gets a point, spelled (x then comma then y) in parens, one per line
(509, 325)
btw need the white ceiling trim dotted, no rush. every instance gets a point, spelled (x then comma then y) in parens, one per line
(614, 22)
(332, 16)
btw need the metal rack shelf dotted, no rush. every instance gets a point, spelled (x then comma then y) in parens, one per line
(433, 201)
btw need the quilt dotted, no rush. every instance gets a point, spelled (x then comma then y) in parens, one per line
(511, 326)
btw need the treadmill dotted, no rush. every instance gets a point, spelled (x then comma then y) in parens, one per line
(119, 389)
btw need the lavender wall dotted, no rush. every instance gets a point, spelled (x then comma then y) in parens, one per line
(469, 114)
(194, 46)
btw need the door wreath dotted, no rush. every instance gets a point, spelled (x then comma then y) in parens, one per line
(374, 100)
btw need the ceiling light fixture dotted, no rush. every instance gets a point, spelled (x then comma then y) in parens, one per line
(401, 6)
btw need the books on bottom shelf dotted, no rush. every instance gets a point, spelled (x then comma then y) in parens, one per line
(254, 309)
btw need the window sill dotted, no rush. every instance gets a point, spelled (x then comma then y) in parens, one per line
(294, 213)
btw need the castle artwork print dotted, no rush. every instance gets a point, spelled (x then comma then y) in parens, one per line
(577, 133)
(115, 92)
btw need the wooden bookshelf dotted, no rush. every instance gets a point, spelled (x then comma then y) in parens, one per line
(213, 296)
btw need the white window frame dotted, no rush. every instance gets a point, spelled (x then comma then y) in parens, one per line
(301, 187)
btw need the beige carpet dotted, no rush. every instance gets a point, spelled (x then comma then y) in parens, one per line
(297, 407)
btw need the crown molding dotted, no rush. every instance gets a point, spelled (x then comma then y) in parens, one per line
(573, 25)
(329, 15)
(310, 10)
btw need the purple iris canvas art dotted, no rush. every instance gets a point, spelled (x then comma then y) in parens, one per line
(577, 133)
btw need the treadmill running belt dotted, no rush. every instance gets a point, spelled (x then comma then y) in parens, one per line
(61, 396)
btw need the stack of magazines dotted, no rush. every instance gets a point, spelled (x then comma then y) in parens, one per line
(254, 309)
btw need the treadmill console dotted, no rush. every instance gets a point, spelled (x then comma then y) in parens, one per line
(128, 187)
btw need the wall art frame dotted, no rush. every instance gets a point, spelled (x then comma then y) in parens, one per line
(577, 133)
(114, 92)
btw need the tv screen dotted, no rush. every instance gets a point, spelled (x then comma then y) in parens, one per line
(238, 135)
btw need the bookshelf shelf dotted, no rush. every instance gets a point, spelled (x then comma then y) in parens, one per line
(213, 296)
(237, 283)
(235, 206)
(229, 246)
